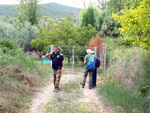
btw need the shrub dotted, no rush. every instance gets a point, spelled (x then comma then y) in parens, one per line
(106, 25)
(7, 45)
(128, 83)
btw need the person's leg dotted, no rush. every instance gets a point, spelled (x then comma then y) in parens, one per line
(84, 77)
(94, 78)
(54, 77)
(90, 79)
(58, 76)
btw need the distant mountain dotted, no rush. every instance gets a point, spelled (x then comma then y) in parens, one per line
(49, 9)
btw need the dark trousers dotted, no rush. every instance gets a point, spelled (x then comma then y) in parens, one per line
(94, 77)
(90, 76)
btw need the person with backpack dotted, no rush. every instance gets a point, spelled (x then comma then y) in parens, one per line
(58, 66)
(89, 61)
(94, 77)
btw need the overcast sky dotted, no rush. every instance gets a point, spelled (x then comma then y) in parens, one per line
(74, 3)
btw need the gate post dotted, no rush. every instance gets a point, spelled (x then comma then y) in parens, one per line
(73, 50)
(95, 51)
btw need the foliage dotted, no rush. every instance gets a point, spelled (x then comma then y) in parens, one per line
(135, 24)
(17, 77)
(127, 77)
(97, 42)
(144, 81)
(64, 33)
(22, 34)
(7, 30)
(127, 100)
(89, 17)
(106, 25)
(124, 41)
(26, 34)
(30, 11)
(115, 5)
(6, 45)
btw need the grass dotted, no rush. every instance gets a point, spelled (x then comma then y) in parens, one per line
(70, 86)
(127, 79)
(66, 100)
(20, 78)
(119, 96)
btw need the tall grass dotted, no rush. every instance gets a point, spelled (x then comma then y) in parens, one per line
(20, 77)
(127, 79)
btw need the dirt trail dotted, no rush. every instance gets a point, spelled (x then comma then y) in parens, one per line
(94, 103)
(42, 98)
(90, 97)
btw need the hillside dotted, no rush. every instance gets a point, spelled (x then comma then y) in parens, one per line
(49, 9)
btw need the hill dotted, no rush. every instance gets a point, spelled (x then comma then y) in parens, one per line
(49, 9)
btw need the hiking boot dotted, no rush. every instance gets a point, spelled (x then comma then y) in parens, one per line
(90, 87)
(82, 86)
(55, 90)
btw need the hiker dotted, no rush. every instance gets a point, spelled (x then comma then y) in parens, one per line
(94, 77)
(89, 67)
(57, 65)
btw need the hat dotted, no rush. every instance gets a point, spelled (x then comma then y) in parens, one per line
(89, 51)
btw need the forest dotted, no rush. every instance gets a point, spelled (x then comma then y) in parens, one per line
(122, 24)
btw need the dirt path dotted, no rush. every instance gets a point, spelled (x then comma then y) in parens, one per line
(89, 99)
(42, 98)
(94, 103)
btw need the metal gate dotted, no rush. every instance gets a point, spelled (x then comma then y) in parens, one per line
(74, 57)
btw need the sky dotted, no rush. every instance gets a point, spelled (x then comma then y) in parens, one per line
(73, 3)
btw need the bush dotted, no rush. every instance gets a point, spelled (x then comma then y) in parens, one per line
(6, 45)
(21, 34)
(107, 26)
(19, 78)
(128, 83)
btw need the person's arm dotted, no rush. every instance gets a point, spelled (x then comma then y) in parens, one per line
(63, 63)
(48, 57)
(84, 61)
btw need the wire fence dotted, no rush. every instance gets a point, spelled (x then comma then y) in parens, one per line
(74, 58)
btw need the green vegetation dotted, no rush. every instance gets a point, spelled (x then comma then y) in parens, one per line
(29, 11)
(122, 24)
(50, 9)
(88, 17)
(135, 24)
(127, 78)
(19, 78)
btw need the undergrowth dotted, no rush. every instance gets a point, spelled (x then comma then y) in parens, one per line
(20, 77)
(127, 83)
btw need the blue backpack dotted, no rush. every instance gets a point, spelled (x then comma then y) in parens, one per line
(91, 63)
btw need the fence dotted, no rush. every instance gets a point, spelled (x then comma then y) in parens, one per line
(74, 57)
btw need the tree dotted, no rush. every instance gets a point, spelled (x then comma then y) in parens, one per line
(115, 5)
(63, 34)
(102, 4)
(30, 11)
(88, 17)
(135, 24)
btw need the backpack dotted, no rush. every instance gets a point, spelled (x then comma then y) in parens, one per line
(91, 63)
(97, 63)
